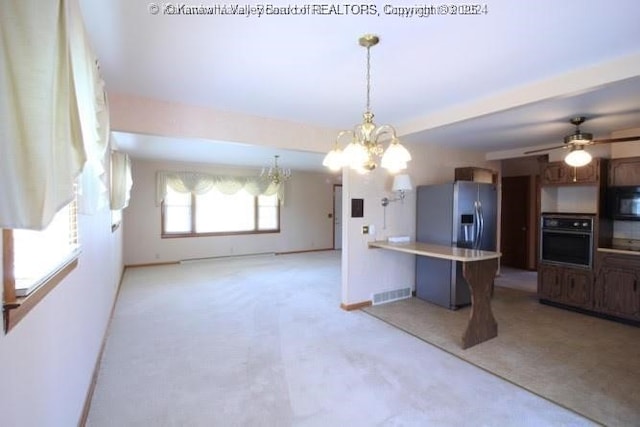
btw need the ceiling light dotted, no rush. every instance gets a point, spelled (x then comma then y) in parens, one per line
(364, 148)
(275, 173)
(578, 156)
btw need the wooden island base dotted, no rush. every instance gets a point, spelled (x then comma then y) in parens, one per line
(479, 268)
(482, 325)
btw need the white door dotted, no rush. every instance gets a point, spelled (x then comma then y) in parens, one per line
(337, 217)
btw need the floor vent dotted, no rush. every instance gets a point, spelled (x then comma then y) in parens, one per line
(388, 296)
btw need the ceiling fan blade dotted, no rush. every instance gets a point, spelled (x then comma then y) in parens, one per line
(545, 149)
(611, 140)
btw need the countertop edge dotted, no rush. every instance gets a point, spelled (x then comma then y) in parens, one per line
(410, 247)
(619, 251)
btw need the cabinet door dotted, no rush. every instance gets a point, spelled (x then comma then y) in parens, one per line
(588, 174)
(549, 282)
(624, 171)
(577, 287)
(617, 292)
(554, 173)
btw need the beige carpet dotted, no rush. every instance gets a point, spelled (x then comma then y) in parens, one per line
(261, 341)
(586, 364)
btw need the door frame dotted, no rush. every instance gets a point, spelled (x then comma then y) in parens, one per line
(333, 218)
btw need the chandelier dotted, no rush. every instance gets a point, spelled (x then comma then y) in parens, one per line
(275, 174)
(364, 147)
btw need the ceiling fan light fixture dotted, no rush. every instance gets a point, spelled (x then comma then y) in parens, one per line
(579, 138)
(578, 157)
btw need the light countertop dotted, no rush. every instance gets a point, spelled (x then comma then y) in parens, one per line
(437, 251)
(619, 251)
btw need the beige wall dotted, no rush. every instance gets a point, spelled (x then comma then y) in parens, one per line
(155, 117)
(47, 360)
(305, 224)
(367, 271)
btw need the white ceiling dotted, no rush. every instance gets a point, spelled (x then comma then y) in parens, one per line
(310, 69)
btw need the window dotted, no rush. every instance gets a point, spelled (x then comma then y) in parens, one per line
(35, 261)
(216, 213)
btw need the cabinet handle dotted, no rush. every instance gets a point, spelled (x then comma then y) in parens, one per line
(571, 283)
(635, 285)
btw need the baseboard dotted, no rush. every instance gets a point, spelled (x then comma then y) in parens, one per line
(151, 264)
(304, 251)
(356, 306)
(96, 367)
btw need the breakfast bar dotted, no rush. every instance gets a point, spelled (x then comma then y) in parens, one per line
(479, 269)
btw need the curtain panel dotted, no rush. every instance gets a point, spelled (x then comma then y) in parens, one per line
(121, 180)
(54, 119)
(42, 147)
(200, 183)
(93, 194)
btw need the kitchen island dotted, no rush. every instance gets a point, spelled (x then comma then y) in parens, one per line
(479, 269)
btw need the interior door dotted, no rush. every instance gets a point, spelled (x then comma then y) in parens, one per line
(337, 216)
(514, 237)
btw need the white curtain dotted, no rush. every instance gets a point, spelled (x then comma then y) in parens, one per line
(200, 183)
(40, 133)
(121, 180)
(93, 190)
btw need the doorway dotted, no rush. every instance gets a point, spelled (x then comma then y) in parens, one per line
(515, 237)
(337, 216)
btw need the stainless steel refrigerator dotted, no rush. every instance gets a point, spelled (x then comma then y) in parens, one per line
(463, 214)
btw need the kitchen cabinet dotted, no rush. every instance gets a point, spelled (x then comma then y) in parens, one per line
(565, 285)
(625, 171)
(549, 282)
(617, 291)
(559, 173)
(476, 175)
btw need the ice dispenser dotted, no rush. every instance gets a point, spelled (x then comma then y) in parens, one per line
(466, 237)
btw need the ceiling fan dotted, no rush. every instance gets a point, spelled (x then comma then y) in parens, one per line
(576, 142)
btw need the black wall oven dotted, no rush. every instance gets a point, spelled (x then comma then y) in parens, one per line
(567, 240)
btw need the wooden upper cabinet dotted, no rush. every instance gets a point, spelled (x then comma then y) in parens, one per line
(476, 175)
(624, 171)
(560, 173)
(554, 173)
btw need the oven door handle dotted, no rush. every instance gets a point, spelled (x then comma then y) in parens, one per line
(583, 233)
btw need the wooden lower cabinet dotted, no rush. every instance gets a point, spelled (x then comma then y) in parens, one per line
(566, 285)
(617, 291)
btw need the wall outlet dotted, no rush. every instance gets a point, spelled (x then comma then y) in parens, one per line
(365, 229)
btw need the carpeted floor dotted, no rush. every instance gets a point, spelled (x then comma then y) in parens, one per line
(262, 342)
(587, 364)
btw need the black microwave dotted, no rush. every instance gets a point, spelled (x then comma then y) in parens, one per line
(624, 203)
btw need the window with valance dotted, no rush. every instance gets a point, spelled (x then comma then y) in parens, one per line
(195, 204)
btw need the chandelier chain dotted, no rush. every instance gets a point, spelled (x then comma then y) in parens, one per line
(368, 79)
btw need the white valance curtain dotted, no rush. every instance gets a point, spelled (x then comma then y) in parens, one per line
(200, 183)
(40, 135)
(121, 180)
(93, 188)
(53, 113)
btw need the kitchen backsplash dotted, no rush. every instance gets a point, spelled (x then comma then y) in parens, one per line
(626, 229)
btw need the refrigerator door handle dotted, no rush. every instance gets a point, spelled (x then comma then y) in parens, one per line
(477, 222)
(481, 238)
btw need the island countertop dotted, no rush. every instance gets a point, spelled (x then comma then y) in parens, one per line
(437, 251)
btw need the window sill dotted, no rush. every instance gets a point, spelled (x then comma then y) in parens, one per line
(16, 310)
(224, 233)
